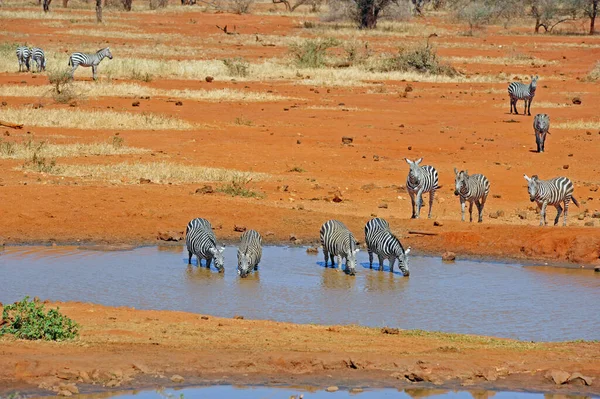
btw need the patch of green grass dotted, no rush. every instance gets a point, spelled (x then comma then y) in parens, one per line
(29, 320)
(312, 53)
(239, 188)
(473, 339)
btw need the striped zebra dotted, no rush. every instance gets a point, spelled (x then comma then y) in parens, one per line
(541, 126)
(381, 241)
(201, 241)
(89, 60)
(38, 58)
(23, 56)
(249, 252)
(472, 188)
(551, 192)
(520, 91)
(421, 179)
(339, 242)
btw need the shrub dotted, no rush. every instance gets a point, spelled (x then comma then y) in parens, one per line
(41, 164)
(29, 320)
(238, 187)
(366, 13)
(237, 66)
(476, 14)
(141, 76)
(117, 141)
(240, 6)
(594, 75)
(312, 53)
(62, 89)
(419, 59)
(156, 4)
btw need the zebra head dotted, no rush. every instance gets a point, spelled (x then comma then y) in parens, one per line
(351, 256)
(243, 264)
(403, 262)
(533, 84)
(415, 173)
(106, 53)
(532, 186)
(460, 180)
(218, 258)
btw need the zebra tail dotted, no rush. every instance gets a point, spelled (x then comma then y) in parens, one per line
(438, 187)
(70, 64)
(575, 201)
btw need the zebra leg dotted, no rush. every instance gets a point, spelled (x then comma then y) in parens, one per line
(73, 68)
(370, 258)
(558, 212)
(333, 260)
(543, 214)
(392, 261)
(483, 199)
(208, 262)
(339, 259)
(525, 109)
(529, 106)
(190, 258)
(412, 200)
(419, 200)
(326, 254)
(380, 262)
(515, 106)
(543, 140)
(431, 195)
(462, 209)
(566, 210)
(256, 267)
(94, 71)
(471, 211)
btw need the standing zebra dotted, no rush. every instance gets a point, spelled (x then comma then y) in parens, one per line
(249, 252)
(520, 91)
(551, 192)
(89, 60)
(473, 188)
(23, 56)
(339, 242)
(201, 241)
(421, 179)
(381, 241)
(38, 58)
(541, 126)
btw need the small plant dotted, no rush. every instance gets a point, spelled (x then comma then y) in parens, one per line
(240, 6)
(29, 320)
(156, 4)
(141, 76)
(240, 120)
(237, 66)
(238, 187)
(594, 75)
(40, 164)
(7, 148)
(419, 59)
(62, 89)
(118, 141)
(312, 53)
(297, 169)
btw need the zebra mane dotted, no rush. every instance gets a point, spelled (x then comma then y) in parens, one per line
(101, 50)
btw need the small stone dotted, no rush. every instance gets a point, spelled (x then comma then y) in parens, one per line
(522, 215)
(376, 158)
(383, 205)
(408, 89)
(4, 103)
(581, 216)
(293, 237)
(576, 100)
(113, 383)
(298, 142)
(448, 256)
(337, 197)
(312, 250)
(237, 317)
(204, 317)
(347, 140)
(170, 236)
(70, 387)
(239, 229)
(332, 388)
(597, 269)
(179, 103)
(356, 390)
(209, 79)
(388, 330)
(145, 181)
(142, 368)
(565, 166)
(596, 215)
(580, 378)
(206, 189)
(85, 377)
(135, 104)
(409, 147)
(64, 392)
(438, 224)
(558, 376)
(177, 379)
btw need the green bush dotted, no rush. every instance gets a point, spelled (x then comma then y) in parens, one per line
(238, 187)
(312, 53)
(29, 320)
(419, 59)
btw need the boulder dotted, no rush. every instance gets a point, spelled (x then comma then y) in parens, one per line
(448, 256)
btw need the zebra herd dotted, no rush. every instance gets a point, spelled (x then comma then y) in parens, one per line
(337, 241)
(26, 55)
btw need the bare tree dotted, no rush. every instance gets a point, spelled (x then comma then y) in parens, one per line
(549, 13)
(127, 4)
(99, 10)
(46, 5)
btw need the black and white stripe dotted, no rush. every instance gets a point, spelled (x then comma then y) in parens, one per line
(89, 60)
(541, 126)
(471, 188)
(381, 241)
(520, 91)
(551, 192)
(249, 252)
(339, 242)
(23, 56)
(421, 179)
(201, 241)
(38, 58)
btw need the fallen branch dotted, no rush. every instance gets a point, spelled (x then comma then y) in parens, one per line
(224, 29)
(424, 233)
(11, 125)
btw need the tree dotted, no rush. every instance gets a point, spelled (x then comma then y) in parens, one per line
(550, 13)
(127, 4)
(99, 10)
(47, 5)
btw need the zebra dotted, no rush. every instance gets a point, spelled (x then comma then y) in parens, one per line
(23, 55)
(39, 58)
(201, 241)
(249, 252)
(520, 91)
(472, 188)
(541, 126)
(553, 192)
(89, 60)
(421, 179)
(339, 242)
(381, 241)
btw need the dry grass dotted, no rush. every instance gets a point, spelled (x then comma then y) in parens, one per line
(594, 74)
(498, 60)
(384, 29)
(25, 149)
(77, 119)
(157, 172)
(540, 104)
(580, 124)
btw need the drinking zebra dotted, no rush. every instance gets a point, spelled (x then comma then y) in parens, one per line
(339, 242)
(520, 91)
(201, 241)
(38, 58)
(541, 126)
(551, 192)
(23, 56)
(472, 188)
(89, 60)
(381, 241)
(421, 179)
(249, 252)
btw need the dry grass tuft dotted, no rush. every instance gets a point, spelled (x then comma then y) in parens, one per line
(594, 74)
(498, 60)
(27, 148)
(580, 124)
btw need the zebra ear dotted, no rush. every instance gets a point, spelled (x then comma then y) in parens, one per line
(466, 172)
(407, 251)
(356, 250)
(221, 249)
(408, 161)
(418, 161)
(527, 178)
(455, 171)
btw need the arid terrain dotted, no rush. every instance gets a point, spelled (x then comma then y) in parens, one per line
(132, 157)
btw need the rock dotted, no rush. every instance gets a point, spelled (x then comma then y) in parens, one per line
(209, 79)
(298, 142)
(597, 269)
(204, 317)
(145, 181)
(95, 375)
(293, 237)
(179, 103)
(238, 317)
(383, 205)
(239, 229)
(368, 187)
(206, 189)
(170, 236)
(300, 207)
(85, 377)
(64, 392)
(142, 368)
(69, 387)
(558, 376)
(312, 250)
(581, 216)
(438, 224)
(113, 383)
(409, 147)
(522, 215)
(135, 104)
(177, 379)
(581, 379)
(67, 374)
(356, 390)
(589, 224)
(4, 103)
(376, 158)
(408, 88)
(565, 166)
(596, 215)
(270, 233)
(493, 215)
(332, 388)
(389, 330)
(448, 256)
(347, 140)
(337, 197)
(576, 100)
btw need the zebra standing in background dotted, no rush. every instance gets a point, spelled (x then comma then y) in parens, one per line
(421, 179)
(551, 192)
(541, 126)
(381, 241)
(339, 242)
(473, 188)
(89, 60)
(38, 58)
(520, 91)
(201, 241)
(249, 252)
(23, 55)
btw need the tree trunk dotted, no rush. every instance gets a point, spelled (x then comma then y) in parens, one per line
(47, 5)
(367, 14)
(593, 15)
(65, 3)
(127, 4)
(99, 10)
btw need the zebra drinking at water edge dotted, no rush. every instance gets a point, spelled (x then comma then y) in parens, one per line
(474, 188)
(249, 252)
(381, 241)
(89, 60)
(38, 58)
(519, 91)
(339, 242)
(421, 179)
(541, 126)
(201, 241)
(551, 192)
(23, 56)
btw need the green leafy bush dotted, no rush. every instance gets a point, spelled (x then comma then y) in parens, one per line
(419, 59)
(312, 53)
(29, 320)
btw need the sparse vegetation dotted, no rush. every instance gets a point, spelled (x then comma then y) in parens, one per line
(297, 169)
(156, 4)
(240, 120)
(422, 59)
(312, 53)
(141, 76)
(238, 187)
(62, 89)
(237, 66)
(240, 6)
(29, 320)
(594, 74)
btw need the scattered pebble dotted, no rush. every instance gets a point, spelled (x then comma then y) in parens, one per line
(332, 388)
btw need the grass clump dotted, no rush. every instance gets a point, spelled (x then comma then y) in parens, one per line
(240, 6)
(312, 53)
(141, 76)
(418, 59)
(297, 169)
(594, 74)
(240, 120)
(29, 320)
(237, 66)
(62, 89)
(238, 187)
